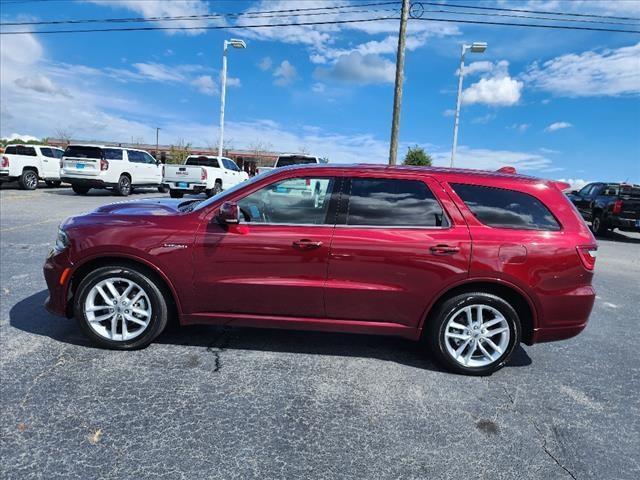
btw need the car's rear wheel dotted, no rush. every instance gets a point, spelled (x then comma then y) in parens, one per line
(598, 225)
(53, 183)
(28, 180)
(123, 188)
(217, 188)
(175, 193)
(80, 190)
(473, 333)
(120, 307)
(163, 189)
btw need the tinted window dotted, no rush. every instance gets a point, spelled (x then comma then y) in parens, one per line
(393, 203)
(294, 160)
(10, 150)
(28, 151)
(135, 156)
(83, 152)
(203, 162)
(503, 208)
(148, 158)
(586, 190)
(57, 152)
(300, 201)
(113, 154)
(46, 152)
(230, 165)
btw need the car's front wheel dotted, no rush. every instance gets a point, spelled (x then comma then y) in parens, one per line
(120, 307)
(473, 333)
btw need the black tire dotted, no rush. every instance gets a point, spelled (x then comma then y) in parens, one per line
(123, 188)
(53, 183)
(175, 193)
(598, 225)
(163, 189)
(217, 188)
(434, 333)
(80, 190)
(159, 315)
(28, 180)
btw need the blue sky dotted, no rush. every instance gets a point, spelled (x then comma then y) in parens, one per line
(552, 103)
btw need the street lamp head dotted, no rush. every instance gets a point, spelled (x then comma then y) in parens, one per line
(478, 47)
(237, 43)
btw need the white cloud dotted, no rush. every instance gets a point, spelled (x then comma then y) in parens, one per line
(520, 127)
(163, 8)
(484, 119)
(159, 72)
(593, 73)
(557, 126)
(285, 74)
(360, 69)
(41, 84)
(449, 112)
(17, 136)
(318, 87)
(576, 183)
(265, 64)
(205, 84)
(486, 159)
(496, 91)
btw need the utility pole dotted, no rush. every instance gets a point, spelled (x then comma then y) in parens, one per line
(397, 95)
(157, 142)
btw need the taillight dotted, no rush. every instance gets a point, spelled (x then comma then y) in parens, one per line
(203, 174)
(617, 207)
(5, 162)
(104, 165)
(588, 254)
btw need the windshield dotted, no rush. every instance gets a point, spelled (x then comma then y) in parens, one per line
(294, 160)
(232, 190)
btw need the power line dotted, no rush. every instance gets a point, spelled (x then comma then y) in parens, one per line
(249, 13)
(528, 25)
(206, 27)
(542, 12)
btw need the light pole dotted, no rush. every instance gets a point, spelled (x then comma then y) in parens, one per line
(235, 43)
(475, 47)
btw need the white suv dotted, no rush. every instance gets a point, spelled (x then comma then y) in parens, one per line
(29, 163)
(93, 166)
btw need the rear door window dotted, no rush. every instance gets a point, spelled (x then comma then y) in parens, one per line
(47, 152)
(135, 156)
(393, 203)
(230, 165)
(83, 152)
(503, 208)
(113, 154)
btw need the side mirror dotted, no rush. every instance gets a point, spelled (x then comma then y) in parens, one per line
(229, 213)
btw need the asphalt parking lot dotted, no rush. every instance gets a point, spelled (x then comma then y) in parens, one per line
(205, 402)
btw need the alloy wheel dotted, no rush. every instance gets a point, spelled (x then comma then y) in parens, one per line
(118, 309)
(31, 180)
(476, 335)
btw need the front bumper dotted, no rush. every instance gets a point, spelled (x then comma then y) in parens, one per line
(57, 283)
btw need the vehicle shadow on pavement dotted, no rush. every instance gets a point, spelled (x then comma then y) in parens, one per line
(30, 316)
(101, 192)
(618, 237)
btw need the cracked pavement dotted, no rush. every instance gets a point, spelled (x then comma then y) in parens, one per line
(207, 402)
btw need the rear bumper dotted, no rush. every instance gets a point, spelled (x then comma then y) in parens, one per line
(88, 182)
(627, 224)
(191, 187)
(566, 315)
(5, 177)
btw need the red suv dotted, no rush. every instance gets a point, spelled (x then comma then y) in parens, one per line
(470, 262)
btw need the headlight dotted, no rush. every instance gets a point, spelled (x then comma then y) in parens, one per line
(62, 241)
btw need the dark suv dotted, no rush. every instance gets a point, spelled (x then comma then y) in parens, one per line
(471, 263)
(608, 206)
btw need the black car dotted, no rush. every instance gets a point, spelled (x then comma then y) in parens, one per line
(608, 206)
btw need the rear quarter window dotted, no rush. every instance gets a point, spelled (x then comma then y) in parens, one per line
(10, 150)
(503, 208)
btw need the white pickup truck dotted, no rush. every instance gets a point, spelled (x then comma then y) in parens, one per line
(202, 173)
(29, 163)
(288, 159)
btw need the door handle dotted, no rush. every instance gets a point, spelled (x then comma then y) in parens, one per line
(444, 249)
(306, 244)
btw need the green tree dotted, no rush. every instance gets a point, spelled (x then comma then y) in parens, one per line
(418, 157)
(178, 153)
